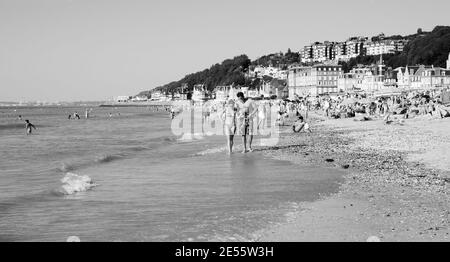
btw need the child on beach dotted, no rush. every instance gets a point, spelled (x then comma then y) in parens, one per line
(29, 126)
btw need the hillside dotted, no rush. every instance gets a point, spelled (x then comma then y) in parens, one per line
(428, 48)
(230, 71)
(424, 48)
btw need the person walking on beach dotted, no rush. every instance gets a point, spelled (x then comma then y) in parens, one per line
(29, 127)
(246, 114)
(262, 111)
(229, 120)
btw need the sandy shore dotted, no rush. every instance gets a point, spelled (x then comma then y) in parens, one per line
(396, 188)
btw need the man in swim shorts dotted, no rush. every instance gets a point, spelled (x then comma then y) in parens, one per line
(245, 120)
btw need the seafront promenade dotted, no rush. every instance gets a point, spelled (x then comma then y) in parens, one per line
(137, 104)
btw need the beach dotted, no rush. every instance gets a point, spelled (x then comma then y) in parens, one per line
(122, 175)
(396, 186)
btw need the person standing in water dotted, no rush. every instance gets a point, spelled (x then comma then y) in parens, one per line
(86, 114)
(229, 119)
(246, 114)
(76, 115)
(29, 127)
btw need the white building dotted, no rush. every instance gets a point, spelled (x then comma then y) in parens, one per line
(448, 62)
(123, 99)
(140, 99)
(385, 47)
(222, 93)
(199, 93)
(270, 71)
(315, 80)
(423, 77)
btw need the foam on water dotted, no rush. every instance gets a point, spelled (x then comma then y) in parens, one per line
(73, 183)
(212, 151)
(189, 137)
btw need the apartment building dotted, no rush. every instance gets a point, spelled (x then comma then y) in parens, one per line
(313, 80)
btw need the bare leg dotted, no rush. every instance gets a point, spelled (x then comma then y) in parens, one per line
(244, 142)
(231, 144)
(250, 143)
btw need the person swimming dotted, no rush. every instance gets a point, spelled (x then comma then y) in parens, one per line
(76, 115)
(29, 127)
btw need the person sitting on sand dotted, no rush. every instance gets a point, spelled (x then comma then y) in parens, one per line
(28, 127)
(300, 125)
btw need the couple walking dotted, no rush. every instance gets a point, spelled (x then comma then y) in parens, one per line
(239, 119)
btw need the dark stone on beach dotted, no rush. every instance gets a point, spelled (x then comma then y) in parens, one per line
(329, 160)
(345, 166)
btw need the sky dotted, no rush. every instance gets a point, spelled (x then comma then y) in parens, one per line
(91, 50)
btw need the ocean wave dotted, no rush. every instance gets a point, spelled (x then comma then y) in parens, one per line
(65, 167)
(12, 126)
(19, 126)
(139, 148)
(73, 183)
(189, 137)
(212, 151)
(107, 158)
(110, 157)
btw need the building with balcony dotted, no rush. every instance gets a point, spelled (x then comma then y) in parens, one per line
(313, 80)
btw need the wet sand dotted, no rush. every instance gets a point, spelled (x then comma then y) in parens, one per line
(396, 188)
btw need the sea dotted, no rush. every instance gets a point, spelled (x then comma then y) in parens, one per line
(123, 175)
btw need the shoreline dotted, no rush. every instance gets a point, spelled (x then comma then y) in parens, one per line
(396, 188)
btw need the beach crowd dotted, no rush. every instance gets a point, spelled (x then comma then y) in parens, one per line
(246, 117)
